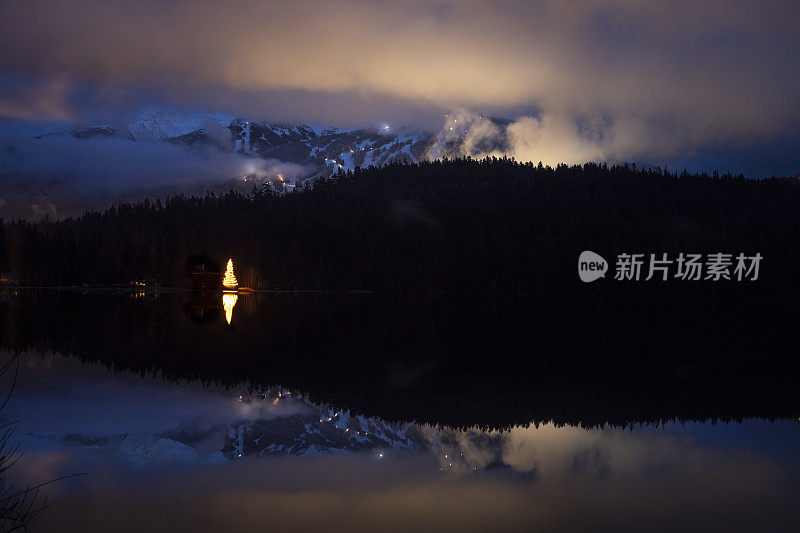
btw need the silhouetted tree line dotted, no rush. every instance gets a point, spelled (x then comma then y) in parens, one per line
(453, 225)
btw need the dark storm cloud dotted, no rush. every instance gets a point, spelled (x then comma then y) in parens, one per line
(608, 79)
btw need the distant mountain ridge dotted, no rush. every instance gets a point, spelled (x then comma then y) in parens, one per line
(323, 150)
(64, 170)
(318, 429)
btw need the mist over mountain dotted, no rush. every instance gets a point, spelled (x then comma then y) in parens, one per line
(707, 88)
(63, 171)
(66, 169)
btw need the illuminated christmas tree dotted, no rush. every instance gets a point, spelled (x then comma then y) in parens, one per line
(229, 281)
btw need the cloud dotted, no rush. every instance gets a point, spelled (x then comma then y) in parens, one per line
(61, 175)
(551, 140)
(95, 402)
(117, 165)
(45, 99)
(667, 77)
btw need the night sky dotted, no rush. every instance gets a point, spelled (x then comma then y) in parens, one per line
(434, 293)
(704, 85)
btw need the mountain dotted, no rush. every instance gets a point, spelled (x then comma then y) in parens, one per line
(322, 150)
(60, 171)
(279, 422)
(317, 430)
(291, 425)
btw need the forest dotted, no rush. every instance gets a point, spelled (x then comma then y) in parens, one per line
(463, 225)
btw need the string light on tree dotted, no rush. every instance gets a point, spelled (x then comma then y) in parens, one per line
(229, 281)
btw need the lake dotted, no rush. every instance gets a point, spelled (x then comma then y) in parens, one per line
(315, 411)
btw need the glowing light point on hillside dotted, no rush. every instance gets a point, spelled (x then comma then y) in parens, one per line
(228, 301)
(229, 281)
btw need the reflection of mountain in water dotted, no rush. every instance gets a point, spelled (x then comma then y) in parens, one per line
(202, 427)
(460, 362)
(317, 430)
(190, 438)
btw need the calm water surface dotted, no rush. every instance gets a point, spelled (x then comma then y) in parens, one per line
(351, 412)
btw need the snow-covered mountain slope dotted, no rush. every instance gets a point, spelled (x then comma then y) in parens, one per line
(327, 150)
(322, 150)
(318, 150)
(156, 125)
(467, 134)
(150, 125)
(301, 428)
(316, 430)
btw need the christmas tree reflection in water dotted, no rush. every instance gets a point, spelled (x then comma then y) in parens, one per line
(229, 297)
(228, 301)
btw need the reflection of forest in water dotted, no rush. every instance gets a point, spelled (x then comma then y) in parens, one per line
(503, 412)
(217, 458)
(460, 361)
(147, 421)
